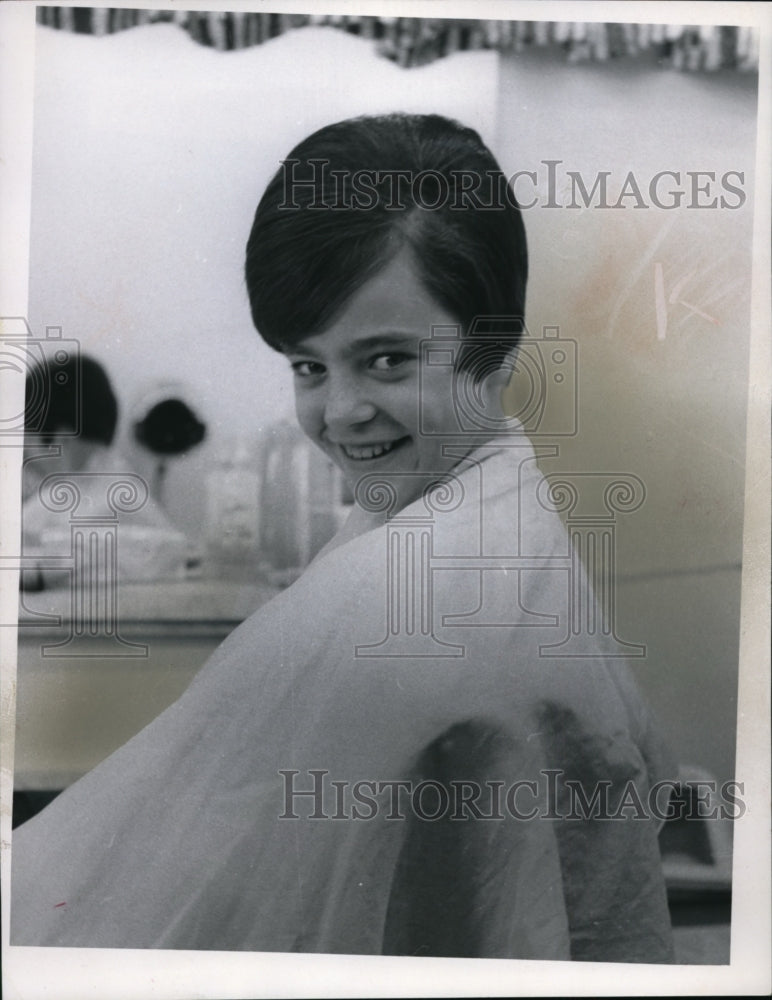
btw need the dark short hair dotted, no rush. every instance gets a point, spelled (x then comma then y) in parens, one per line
(351, 195)
(73, 394)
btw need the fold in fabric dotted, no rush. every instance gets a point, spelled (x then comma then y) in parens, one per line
(193, 836)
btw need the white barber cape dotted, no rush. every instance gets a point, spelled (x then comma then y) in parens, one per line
(196, 834)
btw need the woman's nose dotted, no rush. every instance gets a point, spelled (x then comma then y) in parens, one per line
(347, 404)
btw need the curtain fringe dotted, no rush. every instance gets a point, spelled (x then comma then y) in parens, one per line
(411, 41)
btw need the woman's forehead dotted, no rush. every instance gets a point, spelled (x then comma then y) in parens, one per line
(390, 307)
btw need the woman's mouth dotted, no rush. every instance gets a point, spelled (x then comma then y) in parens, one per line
(368, 452)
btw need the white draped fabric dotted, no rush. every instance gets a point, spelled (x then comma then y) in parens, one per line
(184, 837)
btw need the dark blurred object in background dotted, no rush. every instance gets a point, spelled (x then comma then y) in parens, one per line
(168, 428)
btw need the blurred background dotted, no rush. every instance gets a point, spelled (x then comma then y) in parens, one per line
(154, 138)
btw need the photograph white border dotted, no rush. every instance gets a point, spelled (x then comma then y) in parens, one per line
(59, 973)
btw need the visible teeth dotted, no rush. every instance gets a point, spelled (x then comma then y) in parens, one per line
(367, 451)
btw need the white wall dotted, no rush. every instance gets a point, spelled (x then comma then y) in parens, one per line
(664, 401)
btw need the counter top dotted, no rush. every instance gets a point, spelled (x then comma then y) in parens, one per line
(85, 688)
(191, 602)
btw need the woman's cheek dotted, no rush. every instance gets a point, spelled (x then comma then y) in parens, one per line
(309, 416)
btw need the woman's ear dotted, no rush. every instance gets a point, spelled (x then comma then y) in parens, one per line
(500, 379)
(489, 391)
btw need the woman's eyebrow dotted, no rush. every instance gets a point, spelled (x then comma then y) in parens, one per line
(361, 345)
(389, 339)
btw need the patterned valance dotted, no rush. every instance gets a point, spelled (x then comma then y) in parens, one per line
(414, 41)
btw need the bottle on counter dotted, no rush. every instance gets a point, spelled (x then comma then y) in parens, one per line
(302, 504)
(233, 497)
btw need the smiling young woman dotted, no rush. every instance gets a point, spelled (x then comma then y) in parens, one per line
(350, 290)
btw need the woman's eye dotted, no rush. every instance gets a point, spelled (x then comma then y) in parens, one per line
(388, 362)
(307, 369)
